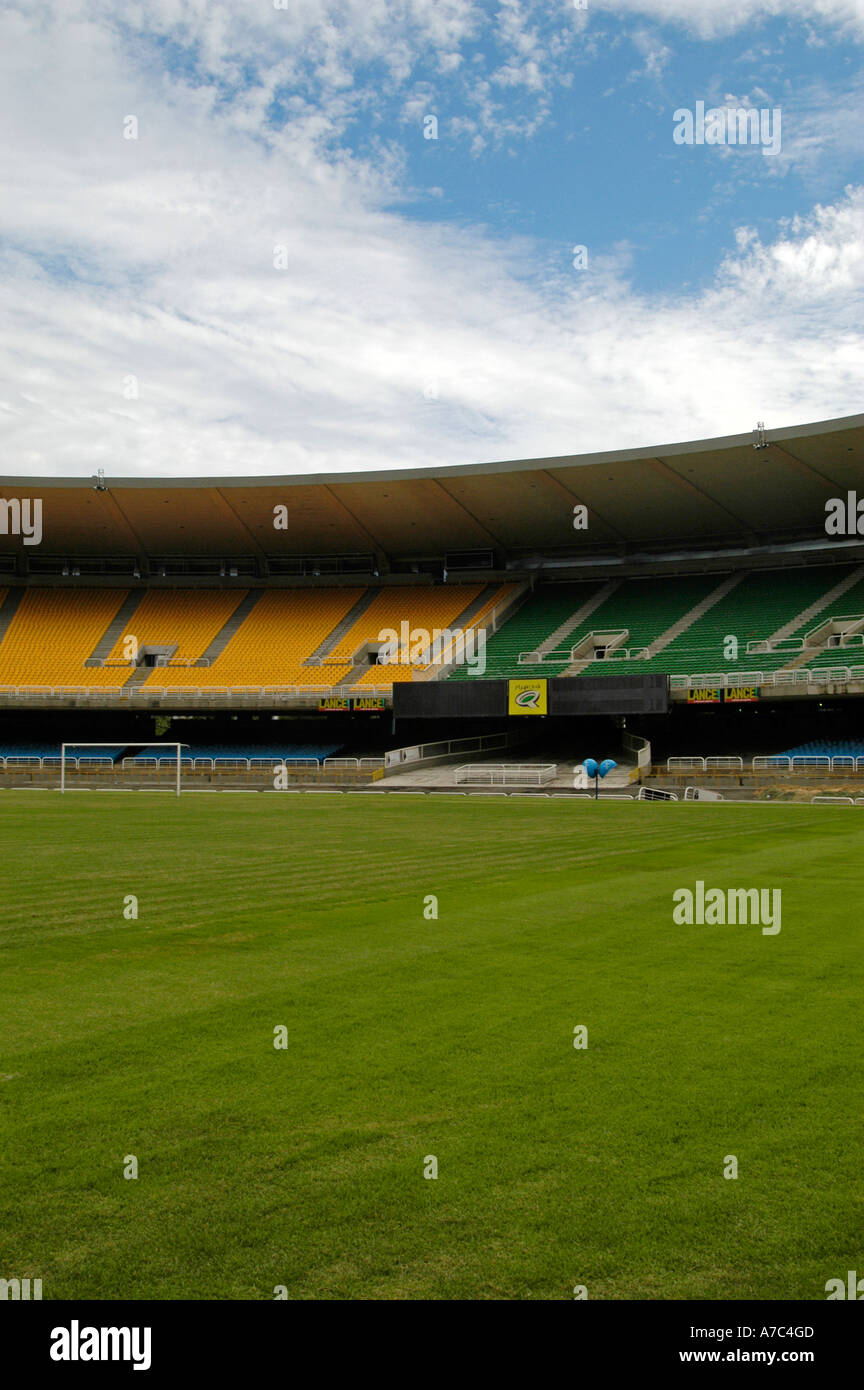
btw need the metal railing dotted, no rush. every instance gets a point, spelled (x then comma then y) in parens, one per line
(505, 774)
(340, 764)
(544, 658)
(638, 748)
(146, 761)
(817, 675)
(181, 692)
(421, 752)
(163, 774)
(622, 654)
(782, 762)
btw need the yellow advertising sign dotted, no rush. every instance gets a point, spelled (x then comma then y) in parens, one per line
(742, 694)
(704, 697)
(333, 702)
(369, 702)
(527, 697)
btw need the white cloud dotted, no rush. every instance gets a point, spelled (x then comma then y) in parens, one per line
(655, 53)
(815, 261)
(168, 241)
(822, 129)
(712, 18)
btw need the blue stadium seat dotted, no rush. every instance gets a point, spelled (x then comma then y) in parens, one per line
(827, 748)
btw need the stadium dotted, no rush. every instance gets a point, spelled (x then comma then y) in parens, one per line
(694, 612)
(391, 1002)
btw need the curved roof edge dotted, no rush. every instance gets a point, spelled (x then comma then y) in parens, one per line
(692, 447)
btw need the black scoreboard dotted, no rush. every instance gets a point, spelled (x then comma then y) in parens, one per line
(573, 696)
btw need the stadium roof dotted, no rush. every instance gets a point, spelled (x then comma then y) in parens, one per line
(716, 492)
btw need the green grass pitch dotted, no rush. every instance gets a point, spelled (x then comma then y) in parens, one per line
(408, 1037)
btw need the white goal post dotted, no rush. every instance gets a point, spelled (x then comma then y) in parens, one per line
(117, 743)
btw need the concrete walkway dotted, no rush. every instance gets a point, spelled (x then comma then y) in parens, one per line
(445, 776)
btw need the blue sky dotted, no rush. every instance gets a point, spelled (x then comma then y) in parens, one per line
(602, 169)
(278, 273)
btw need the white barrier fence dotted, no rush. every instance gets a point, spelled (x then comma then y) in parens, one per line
(113, 663)
(187, 692)
(12, 763)
(838, 641)
(783, 762)
(637, 748)
(351, 764)
(817, 675)
(445, 748)
(506, 774)
(569, 658)
(704, 764)
(623, 654)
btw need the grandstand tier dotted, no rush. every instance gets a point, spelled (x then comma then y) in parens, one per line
(321, 637)
(690, 626)
(675, 573)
